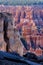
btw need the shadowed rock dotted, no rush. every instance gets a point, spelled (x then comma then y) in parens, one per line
(10, 59)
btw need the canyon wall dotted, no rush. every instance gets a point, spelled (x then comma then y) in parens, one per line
(29, 21)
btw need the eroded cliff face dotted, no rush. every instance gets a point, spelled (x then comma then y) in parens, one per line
(29, 21)
(9, 36)
(2, 42)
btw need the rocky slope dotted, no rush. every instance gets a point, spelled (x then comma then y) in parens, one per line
(15, 59)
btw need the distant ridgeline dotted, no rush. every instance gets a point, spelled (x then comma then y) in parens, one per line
(21, 2)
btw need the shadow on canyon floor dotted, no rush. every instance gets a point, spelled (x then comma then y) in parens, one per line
(15, 59)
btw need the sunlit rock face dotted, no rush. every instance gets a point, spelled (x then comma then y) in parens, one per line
(9, 36)
(29, 21)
